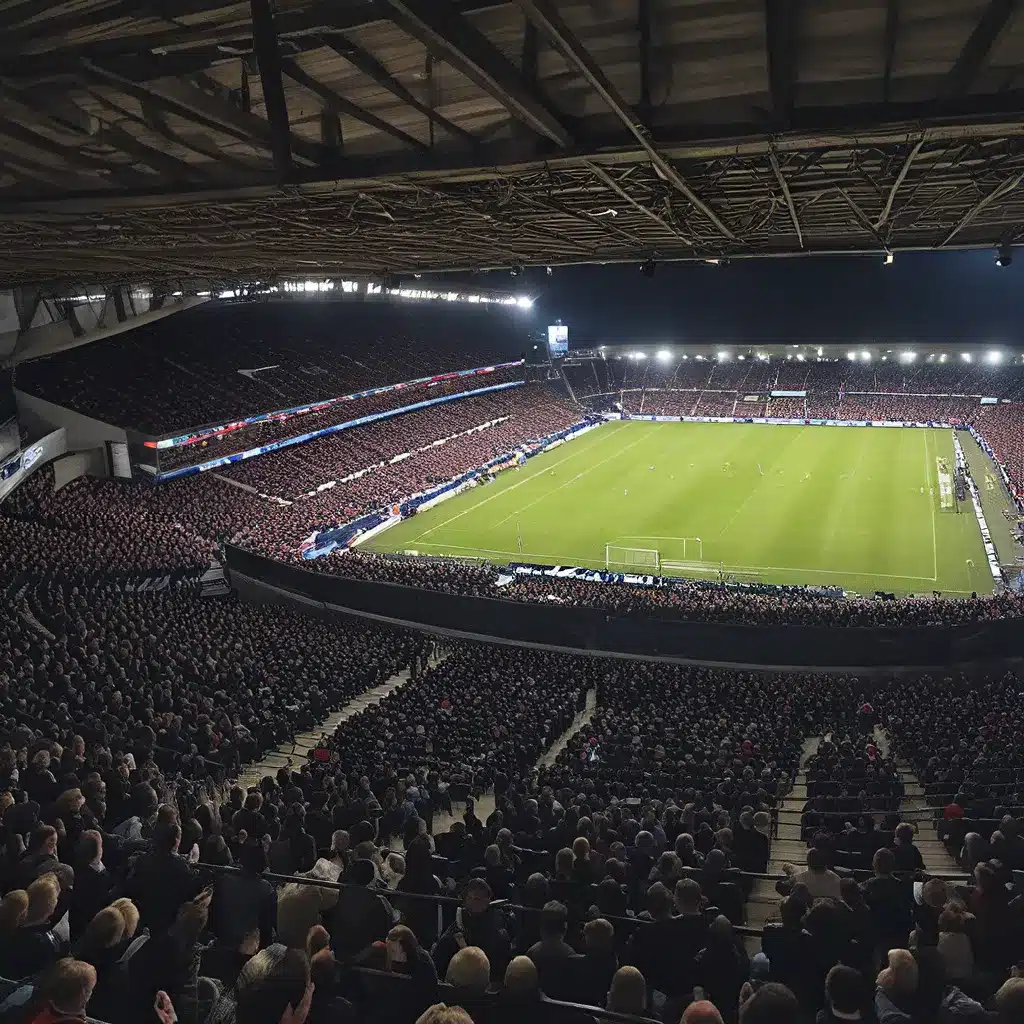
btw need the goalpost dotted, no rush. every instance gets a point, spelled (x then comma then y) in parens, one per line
(616, 557)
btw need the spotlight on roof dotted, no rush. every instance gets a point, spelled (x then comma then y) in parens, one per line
(648, 268)
(965, 356)
(723, 356)
(993, 357)
(1004, 255)
(866, 357)
(889, 259)
(515, 271)
(549, 271)
(664, 355)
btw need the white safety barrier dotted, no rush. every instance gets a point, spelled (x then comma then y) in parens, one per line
(990, 548)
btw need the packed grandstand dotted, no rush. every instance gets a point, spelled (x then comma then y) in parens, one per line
(264, 813)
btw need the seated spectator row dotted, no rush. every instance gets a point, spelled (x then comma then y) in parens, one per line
(222, 361)
(620, 865)
(114, 526)
(753, 376)
(247, 437)
(695, 601)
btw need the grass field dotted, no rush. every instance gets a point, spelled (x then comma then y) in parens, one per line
(854, 507)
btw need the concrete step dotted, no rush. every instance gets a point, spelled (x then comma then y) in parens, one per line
(295, 753)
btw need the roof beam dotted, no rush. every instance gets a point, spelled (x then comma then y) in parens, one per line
(264, 41)
(892, 33)
(622, 193)
(366, 63)
(979, 46)
(900, 178)
(782, 18)
(68, 117)
(340, 105)
(999, 192)
(555, 30)
(70, 155)
(152, 120)
(643, 24)
(194, 105)
(439, 26)
(784, 185)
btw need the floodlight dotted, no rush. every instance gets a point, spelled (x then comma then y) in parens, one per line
(889, 258)
(851, 356)
(524, 302)
(965, 356)
(866, 356)
(799, 357)
(1004, 255)
(641, 355)
(994, 357)
(907, 357)
(664, 356)
(723, 356)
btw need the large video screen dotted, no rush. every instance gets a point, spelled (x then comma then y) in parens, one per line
(558, 341)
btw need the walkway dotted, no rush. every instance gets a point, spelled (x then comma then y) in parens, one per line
(936, 859)
(290, 755)
(787, 846)
(485, 804)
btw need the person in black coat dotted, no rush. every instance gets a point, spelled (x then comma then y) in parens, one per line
(160, 881)
(93, 883)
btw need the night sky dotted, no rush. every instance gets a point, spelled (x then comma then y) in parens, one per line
(957, 296)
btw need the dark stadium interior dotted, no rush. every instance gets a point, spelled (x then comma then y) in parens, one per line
(277, 276)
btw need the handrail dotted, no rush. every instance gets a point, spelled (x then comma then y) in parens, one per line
(506, 904)
(593, 1011)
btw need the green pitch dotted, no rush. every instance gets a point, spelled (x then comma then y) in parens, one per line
(855, 507)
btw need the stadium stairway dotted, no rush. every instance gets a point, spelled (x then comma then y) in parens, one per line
(787, 847)
(295, 754)
(485, 803)
(915, 809)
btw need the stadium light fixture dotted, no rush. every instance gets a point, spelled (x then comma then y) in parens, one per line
(907, 357)
(994, 357)
(799, 357)
(889, 258)
(943, 357)
(1004, 255)
(866, 356)
(641, 355)
(851, 356)
(723, 356)
(664, 356)
(524, 302)
(965, 356)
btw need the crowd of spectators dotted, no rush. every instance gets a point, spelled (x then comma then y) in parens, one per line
(530, 411)
(245, 437)
(686, 600)
(183, 370)
(825, 377)
(613, 874)
(116, 526)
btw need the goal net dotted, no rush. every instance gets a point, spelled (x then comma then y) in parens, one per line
(630, 558)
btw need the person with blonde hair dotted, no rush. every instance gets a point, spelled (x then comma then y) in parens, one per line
(628, 992)
(441, 1013)
(13, 908)
(65, 991)
(896, 987)
(469, 970)
(35, 945)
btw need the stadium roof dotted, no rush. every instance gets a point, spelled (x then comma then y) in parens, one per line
(253, 140)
